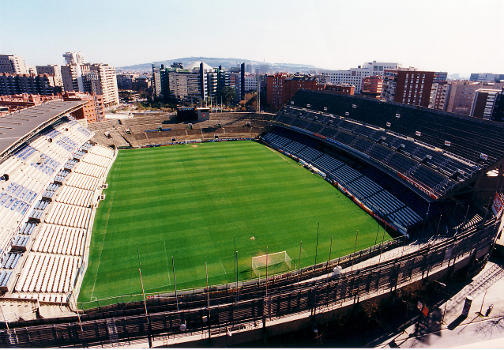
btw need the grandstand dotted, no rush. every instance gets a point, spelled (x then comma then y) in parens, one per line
(44, 219)
(412, 160)
(159, 129)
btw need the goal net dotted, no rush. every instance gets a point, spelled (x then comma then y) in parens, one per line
(278, 262)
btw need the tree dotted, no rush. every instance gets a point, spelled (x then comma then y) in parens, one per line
(228, 95)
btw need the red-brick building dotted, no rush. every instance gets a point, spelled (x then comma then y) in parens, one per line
(340, 89)
(281, 87)
(408, 86)
(372, 86)
(92, 111)
(21, 101)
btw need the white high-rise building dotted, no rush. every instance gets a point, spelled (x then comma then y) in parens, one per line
(354, 76)
(12, 64)
(73, 58)
(102, 79)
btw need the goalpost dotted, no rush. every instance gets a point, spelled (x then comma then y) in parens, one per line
(273, 260)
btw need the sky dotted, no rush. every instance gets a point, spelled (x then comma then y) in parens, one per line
(458, 36)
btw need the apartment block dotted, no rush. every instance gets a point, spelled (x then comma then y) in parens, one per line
(462, 93)
(13, 64)
(339, 89)
(281, 87)
(74, 58)
(42, 84)
(408, 86)
(372, 86)
(250, 82)
(92, 111)
(484, 103)
(355, 76)
(71, 75)
(53, 70)
(104, 82)
(439, 96)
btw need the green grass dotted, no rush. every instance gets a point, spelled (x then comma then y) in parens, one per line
(198, 203)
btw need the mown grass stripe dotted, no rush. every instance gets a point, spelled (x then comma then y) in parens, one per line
(196, 203)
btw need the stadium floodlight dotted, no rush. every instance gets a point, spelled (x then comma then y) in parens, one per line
(272, 259)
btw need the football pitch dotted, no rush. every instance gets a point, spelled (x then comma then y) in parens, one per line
(200, 204)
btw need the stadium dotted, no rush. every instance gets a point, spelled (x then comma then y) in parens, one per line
(157, 230)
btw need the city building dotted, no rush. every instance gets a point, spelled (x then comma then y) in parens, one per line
(281, 87)
(242, 81)
(235, 83)
(484, 103)
(74, 58)
(339, 89)
(164, 81)
(156, 82)
(250, 82)
(132, 81)
(186, 86)
(71, 75)
(42, 84)
(486, 77)
(21, 101)
(125, 81)
(372, 86)
(440, 77)
(53, 70)
(462, 93)
(355, 76)
(439, 96)
(408, 86)
(141, 83)
(197, 83)
(12, 64)
(274, 89)
(498, 109)
(104, 83)
(92, 111)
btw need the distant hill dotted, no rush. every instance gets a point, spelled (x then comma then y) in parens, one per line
(226, 63)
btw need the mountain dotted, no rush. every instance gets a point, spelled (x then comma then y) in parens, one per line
(226, 63)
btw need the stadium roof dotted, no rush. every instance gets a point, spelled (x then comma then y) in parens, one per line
(14, 126)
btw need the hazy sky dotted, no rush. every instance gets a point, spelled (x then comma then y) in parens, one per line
(457, 36)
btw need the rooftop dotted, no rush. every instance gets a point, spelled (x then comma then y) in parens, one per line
(15, 126)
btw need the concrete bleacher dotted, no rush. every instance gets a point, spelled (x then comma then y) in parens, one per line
(31, 168)
(436, 170)
(360, 186)
(59, 239)
(58, 248)
(48, 273)
(54, 181)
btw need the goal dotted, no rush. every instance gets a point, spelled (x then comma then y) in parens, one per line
(279, 261)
